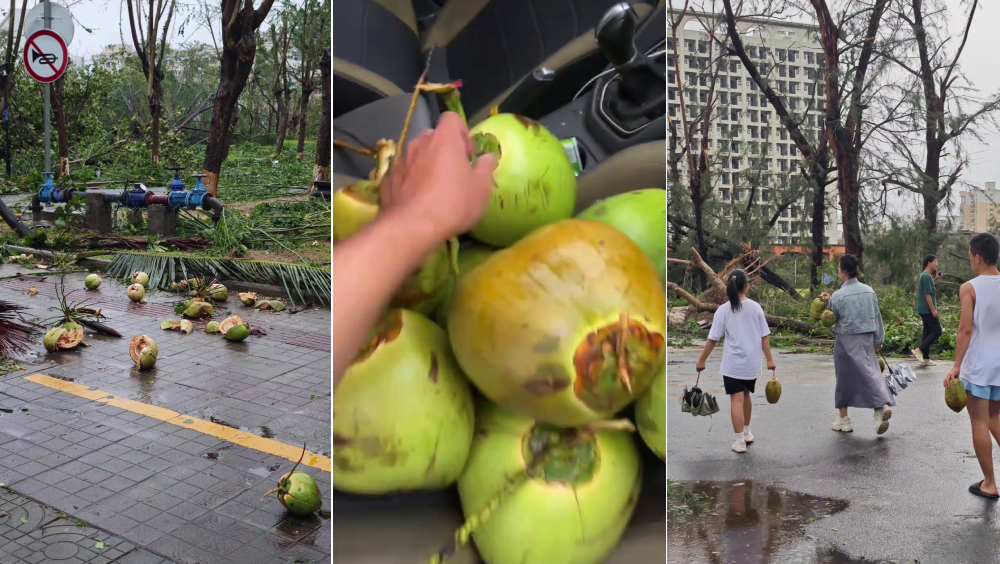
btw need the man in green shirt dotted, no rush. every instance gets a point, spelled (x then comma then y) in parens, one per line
(927, 309)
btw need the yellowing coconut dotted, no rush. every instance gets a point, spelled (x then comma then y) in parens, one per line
(136, 292)
(197, 310)
(217, 292)
(230, 322)
(403, 413)
(567, 326)
(352, 207)
(140, 278)
(61, 338)
(248, 298)
(92, 281)
(212, 327)
(143, 350)
(547, 495)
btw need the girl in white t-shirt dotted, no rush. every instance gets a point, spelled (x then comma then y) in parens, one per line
(741, 321)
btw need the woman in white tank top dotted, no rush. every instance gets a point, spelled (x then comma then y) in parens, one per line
(977, 355)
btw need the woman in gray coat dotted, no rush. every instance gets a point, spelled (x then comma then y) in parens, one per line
(859, 337)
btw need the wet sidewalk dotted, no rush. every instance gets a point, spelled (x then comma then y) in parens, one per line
(169, 464)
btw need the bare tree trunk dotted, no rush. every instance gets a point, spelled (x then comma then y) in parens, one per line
(303, 121)
(239, 47)
(323, 148)
(283, 102)
(62, 135)
(152, 63)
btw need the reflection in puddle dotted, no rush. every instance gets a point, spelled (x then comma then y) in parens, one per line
(744, 522)
(299, 529)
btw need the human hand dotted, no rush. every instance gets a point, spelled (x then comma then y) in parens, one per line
(952, 376)
(934, 313)
(771, 365)
(433, 183)
(824, 296)
(878, 348)
(699, 365)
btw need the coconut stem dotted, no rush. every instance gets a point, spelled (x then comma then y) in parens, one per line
(413, 106)
(449, 93)
(282, 483)
(621, 354)
(612, 425)
(473, 522)
(347, 146)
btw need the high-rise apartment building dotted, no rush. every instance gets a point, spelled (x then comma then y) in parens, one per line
(979, 208)
(749, 147)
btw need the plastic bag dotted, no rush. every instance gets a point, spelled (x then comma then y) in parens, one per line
(898, 377)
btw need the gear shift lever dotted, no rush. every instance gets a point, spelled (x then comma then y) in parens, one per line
(640, 91)
(616, 34)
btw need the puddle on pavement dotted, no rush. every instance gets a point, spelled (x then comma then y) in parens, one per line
(216, 455)
(737, 522)
(266, 432)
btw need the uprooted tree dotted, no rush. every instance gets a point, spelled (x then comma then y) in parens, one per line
(715, 294)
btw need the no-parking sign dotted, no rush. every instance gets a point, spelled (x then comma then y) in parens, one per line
(45, 55)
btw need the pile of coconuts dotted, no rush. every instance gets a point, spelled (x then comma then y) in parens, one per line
(504, 371)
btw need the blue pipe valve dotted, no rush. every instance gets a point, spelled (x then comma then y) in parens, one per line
(134, 198)
(176, 184)
(49, 193)
(197, 195)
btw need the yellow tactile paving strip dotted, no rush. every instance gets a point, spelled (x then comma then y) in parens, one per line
(223, 432)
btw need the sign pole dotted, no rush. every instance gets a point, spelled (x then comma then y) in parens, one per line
(47, 116)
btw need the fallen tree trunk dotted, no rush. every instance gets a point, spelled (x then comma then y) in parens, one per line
(772, 320)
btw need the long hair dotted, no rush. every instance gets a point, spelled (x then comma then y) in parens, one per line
(735, 283)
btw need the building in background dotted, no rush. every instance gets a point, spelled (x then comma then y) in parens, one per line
(748, 145)
(979, 208)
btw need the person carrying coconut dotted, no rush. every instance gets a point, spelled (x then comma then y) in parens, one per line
(432, 193)
(977, 355)
(741, 321)
(927, 310)
(860, 333)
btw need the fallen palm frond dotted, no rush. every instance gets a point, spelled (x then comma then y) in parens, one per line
(299, 281)
(15, 337)
(78, 312)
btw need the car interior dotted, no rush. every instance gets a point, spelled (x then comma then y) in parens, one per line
(588, 70)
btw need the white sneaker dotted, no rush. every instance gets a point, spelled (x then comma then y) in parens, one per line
(740, 446)
(927, 362)
(747, 437)
(917, 354)
(843, 425)
(881, 421)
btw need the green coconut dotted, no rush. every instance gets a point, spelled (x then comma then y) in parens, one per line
(298, 492)
(534, 183)
(353, 207)
(197, 310)
(403, 413)
(92, 281)
(828, 319)
(881, 364)
(567, 326)
(547, 495)
(651, 415)
(772, 391)
(816, 308)
(143, 350)
(642, 215)
(238, 333)
(468, 258)
(212, 327)
(955, 396)
(217, 292)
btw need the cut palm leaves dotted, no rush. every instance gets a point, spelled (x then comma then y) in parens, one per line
(14, 337)
(300, 282)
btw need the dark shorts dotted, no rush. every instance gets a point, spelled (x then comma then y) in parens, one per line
(735, 385)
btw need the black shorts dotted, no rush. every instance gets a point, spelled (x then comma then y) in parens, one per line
(735, 385)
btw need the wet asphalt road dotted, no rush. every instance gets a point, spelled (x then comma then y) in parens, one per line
(906, 491)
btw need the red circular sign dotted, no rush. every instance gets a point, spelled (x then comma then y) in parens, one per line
(45, 56)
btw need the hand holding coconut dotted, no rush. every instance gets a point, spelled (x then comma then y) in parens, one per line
(430, 194)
